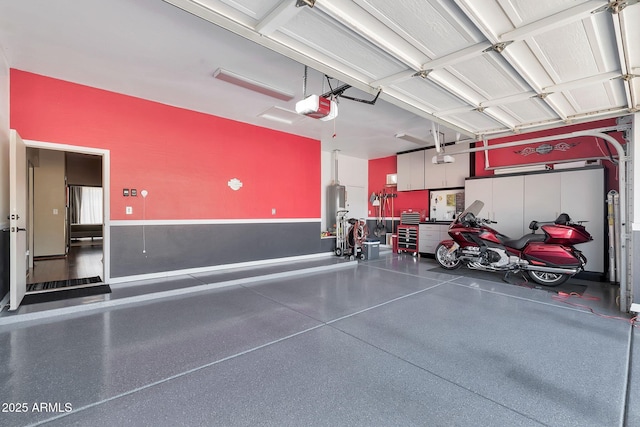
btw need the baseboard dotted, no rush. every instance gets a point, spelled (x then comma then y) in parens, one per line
(165, 274)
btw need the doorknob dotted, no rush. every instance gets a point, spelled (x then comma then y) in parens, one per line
(21, 229)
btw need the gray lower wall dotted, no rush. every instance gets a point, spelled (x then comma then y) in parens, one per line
(178, 247)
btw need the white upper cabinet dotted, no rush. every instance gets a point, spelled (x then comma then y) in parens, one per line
(446, 175)
(411, 171)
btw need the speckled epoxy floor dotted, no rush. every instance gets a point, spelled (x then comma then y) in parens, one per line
(387, 342)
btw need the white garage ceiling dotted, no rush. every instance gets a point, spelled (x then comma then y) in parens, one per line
(474, 67)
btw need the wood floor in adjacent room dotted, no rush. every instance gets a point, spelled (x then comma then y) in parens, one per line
(83, 260)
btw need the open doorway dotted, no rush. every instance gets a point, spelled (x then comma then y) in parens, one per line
(67, 216)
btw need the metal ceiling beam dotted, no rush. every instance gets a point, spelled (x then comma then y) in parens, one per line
(576, 84)
(456, 57)
(508, 99)
(394, 78)
(623, 55)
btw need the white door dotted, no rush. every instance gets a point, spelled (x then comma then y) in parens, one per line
(17, 220)
(356, 201)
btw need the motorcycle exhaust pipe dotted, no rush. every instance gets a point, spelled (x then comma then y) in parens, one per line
(551, 269)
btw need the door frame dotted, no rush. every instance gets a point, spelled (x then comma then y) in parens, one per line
(106, 217)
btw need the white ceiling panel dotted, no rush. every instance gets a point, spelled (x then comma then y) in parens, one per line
(490, 76)
(532, 110)
(526, 11)
(605, 96)
(579, 57)
(476, 67)
(429, 93)
(329, 38)
(477, 120)
(433, 27)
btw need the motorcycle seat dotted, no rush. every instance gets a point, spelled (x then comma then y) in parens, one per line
(524, 240)
(563, 219)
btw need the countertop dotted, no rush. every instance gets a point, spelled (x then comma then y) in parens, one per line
(436, 222)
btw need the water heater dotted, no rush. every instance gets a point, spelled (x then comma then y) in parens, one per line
(336, 200)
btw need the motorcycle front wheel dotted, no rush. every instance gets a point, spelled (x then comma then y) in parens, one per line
(447, 260)
(547, 279)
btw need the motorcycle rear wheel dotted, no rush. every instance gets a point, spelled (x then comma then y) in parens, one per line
(447, 260)
(547, 279)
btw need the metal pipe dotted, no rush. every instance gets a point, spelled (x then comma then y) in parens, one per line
(304, 83)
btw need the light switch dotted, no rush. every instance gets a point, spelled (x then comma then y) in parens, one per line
(129, 210)
(55, 211)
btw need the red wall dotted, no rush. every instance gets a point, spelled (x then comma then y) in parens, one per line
(378, 170)
(580, 148)
(183, 158)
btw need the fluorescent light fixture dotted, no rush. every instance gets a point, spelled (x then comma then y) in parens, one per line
(413, 139)
(520, 169)
(281, 115)
(251, 84)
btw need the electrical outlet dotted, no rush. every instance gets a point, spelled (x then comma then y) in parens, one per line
(129, 210)
(273, 211)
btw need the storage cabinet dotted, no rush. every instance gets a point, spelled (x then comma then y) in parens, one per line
(515, 201)
(411, 171)
(429, 235)
(503, 202)
(446, 175)
(541, 198)
(408, 238)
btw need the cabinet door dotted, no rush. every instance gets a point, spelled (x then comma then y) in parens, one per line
(433, 174)
(457, 171)
(417, 170)
(411, 171)
(583, 198)
(508, 205)
(541, 198)
(404, 172)
(479, 189)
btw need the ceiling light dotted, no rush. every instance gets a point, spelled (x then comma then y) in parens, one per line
(250, 84)
(281, 115)
(413, 139)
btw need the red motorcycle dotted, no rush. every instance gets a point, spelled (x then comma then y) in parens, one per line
(548, 258)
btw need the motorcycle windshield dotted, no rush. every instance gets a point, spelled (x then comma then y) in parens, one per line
(474, 208)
